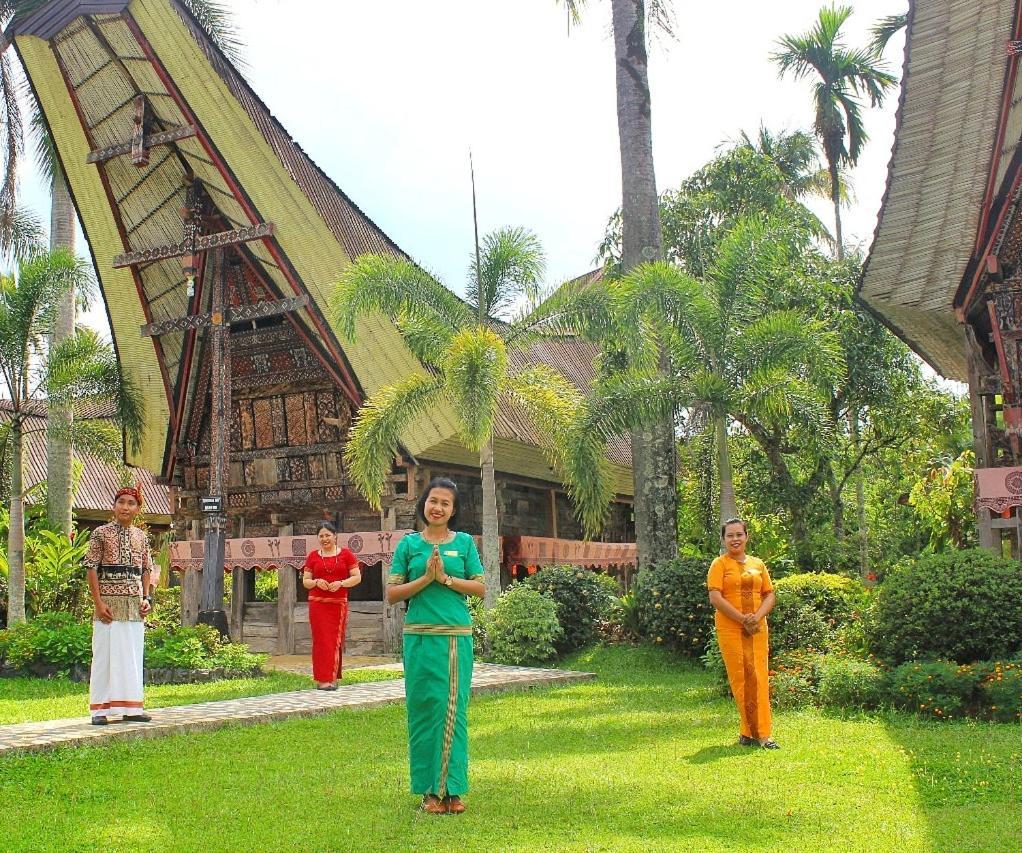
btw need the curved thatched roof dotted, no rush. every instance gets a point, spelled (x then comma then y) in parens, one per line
(942, 170)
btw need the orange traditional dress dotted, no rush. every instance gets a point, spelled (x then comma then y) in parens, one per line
(745, 655)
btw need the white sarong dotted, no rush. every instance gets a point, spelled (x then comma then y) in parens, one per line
(115, 684)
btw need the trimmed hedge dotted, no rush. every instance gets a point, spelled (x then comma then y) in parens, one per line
(673, 606)
(962, 606)
(810, 609)
(522, 627)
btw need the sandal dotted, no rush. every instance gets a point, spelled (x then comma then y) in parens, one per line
(432, 804)
(454, 805)
(770, 743)
(100, 721)
(747, 741)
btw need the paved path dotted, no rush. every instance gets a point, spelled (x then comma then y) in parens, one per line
(51, 734)
(302, 664)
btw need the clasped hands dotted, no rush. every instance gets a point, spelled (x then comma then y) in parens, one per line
(435, 568)
(751, 623)
(328, 586)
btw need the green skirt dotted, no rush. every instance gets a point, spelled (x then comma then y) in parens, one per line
(438, 682)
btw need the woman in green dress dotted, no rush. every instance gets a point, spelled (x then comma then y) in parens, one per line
(435, 571)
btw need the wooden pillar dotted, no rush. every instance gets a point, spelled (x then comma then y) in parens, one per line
(393, 624)
(191, 586)
(237, 603)
(212, 603)
(986, 536)
(553, 513)
(287, 598)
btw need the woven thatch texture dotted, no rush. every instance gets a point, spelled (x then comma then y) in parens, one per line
(947, 123)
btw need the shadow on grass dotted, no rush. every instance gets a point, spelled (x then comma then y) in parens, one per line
(709, 754)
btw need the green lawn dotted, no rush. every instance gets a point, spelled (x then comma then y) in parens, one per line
(641, 759)
(24, 700)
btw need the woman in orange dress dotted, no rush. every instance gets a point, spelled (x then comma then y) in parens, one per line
(741, 591)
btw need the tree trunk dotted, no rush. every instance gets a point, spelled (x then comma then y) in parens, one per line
(16, 532)
(835, 197)
(728, 505)
(491, 542)
(837, 504)
(862, 535)
(654, 450)
(59, 469)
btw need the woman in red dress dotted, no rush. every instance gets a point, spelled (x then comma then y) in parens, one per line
(328, 574)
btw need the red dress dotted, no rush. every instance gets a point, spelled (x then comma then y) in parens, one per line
(328, 612)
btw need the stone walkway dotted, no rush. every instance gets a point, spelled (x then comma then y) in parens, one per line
(51, 734)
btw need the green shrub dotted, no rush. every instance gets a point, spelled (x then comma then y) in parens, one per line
(791, 690)
(940, 689)
(673, 605)
(196, 647)
(235, 657)
(52, 639)
(582, 600)
(166, 612)
(999, 693)
(628, 616)
(963, 606)
(480, 639)
(522, 627)
(832, 596)
(266, 585)
(797, 626)
(845, 682)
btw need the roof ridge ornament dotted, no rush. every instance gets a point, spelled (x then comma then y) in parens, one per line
(1013, 47)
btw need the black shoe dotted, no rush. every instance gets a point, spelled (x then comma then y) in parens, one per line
(770, 743)
(100, 721)
(747, 741)
(136, 718)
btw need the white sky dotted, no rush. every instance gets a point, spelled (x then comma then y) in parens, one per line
(388, 98)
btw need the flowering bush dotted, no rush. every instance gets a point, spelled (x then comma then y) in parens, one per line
(583, 599)
(999, 690)
(522, 627)
(940, 689)
(673, 605)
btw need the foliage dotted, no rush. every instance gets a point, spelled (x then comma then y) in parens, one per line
(939, 689)
(51, 639)
(713, 660)
(791, 690)
(166, 612)
(809, 610)
(797, 626)
(266, 584)
(673, 605)
(54, 577)
(522, 627)
(962, 606)
(628, 615)
(1000, 691)
(943, 501)
(480, 637)
(844, 682)
(197, 647)
(582, 600)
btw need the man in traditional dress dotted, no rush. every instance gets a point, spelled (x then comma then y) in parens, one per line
(119, 566)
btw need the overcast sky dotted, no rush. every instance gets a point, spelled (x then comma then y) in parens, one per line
(388, 98)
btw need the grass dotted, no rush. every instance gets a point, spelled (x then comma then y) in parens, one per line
(24, 700)
(641, 759)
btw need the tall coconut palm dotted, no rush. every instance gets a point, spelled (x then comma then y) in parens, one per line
(735, 357)
(80, 370)
(466, 349)
(843, 76)
(654, 448)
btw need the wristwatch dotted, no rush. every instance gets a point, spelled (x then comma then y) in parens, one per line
(449, 581)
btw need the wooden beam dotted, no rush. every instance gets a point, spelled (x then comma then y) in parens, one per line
(163, 137)
(201, 244)
(238, 314)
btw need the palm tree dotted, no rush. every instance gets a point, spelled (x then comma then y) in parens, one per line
(654, 448)
(465, 347)
(78, 371)
(735, 356)
(844, 76)
(796, 156)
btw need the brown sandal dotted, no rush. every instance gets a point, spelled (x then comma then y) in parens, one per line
(454, 805)
(432, 804)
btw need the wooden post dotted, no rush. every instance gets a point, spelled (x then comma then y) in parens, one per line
(553, 513)
(211, 611)
(237, 603)
(393, 625)
(986, 535)
(191, 587)
(287, 598)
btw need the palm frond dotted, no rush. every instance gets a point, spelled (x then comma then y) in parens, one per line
(375, 436)
(510, 268)
(14, 139)
(21, 233)
(216, 21)
(884, 30)
(475, 371)
(93, 437)
(400, 291)
(45, 151)
(575, 308)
